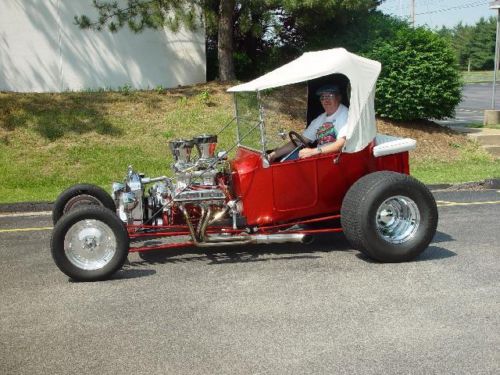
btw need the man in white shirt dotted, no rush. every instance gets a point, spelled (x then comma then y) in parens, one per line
(328, 129)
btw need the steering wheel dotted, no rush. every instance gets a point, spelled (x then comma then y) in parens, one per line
(297, 139)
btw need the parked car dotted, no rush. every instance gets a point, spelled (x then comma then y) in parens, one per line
(365, 191)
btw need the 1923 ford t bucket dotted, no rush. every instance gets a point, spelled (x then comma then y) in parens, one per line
(365, 191)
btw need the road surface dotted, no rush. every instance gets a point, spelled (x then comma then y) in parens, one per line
(276, 309)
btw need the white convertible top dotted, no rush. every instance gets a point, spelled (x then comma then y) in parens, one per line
(361, 72)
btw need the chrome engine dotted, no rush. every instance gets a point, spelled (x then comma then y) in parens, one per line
(197, 194)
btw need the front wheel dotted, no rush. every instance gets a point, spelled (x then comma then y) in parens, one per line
(89, 244)
(390, 217)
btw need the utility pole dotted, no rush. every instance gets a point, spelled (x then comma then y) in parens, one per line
(492, 116)
(495, 5)
(412, 13)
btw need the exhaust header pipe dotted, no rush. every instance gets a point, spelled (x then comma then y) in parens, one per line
(201, 239)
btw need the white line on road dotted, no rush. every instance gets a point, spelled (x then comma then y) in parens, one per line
(448, 204)
(24, 214)
(13, 230)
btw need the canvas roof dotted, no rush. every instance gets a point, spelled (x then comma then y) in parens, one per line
(361, 72)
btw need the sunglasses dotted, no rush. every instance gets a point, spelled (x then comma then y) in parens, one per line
(327, 97)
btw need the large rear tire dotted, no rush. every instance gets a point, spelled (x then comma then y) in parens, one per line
(389, 216)
(89, 244)
(78, 196)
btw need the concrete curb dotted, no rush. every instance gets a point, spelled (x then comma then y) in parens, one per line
(26, 207)
(490, 184)
(493, 183)
(439, 187)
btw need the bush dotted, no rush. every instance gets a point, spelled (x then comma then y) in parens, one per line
(420, 78)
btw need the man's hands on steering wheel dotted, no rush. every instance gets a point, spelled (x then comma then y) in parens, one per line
(298, 140)
(283, 153)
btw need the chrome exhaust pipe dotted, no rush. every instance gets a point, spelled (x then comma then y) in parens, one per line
(213, 241)
(278, 238)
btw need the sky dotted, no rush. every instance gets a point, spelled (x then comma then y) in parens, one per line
(436, 13)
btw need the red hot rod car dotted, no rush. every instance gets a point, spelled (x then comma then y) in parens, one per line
(364, 191)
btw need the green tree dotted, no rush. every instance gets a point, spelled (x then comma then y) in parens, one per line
(363, 32)
(474, 45)
(480, 48)
(458, 37)
(420, 77)
(269, 33)
(318, 23)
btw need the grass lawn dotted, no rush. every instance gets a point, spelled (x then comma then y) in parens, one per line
(464, 170)
(51, 141)
(480, 126)
(479, 76)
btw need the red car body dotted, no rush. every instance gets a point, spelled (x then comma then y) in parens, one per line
(303, 188)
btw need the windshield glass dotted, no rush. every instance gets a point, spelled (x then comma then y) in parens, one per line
(247, 112)
(284, 109)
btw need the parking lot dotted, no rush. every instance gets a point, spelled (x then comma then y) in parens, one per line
(476, 97)
(275, 309)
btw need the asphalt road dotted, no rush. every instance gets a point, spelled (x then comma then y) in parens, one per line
(287, 309)
(475, 99)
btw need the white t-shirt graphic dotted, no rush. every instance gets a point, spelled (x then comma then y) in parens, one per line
(327, 129)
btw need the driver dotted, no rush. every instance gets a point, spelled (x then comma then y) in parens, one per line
(328, 129)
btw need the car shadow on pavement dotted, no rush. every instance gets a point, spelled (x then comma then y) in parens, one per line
(125, 273)
(435, 253)
(442, 237)
(431, 253)
(128, 272)
(247, 253)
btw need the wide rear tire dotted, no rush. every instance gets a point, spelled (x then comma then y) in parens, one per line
(389, 216)
(89, 244)
(78, 196)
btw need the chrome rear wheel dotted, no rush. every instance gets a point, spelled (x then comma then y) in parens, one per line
(389, 216)
(398, 219)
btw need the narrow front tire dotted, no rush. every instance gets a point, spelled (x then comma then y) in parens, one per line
(89, 244)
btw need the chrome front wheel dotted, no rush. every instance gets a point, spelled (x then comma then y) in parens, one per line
(89, 244)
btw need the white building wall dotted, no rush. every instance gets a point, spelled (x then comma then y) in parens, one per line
(41, 50)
